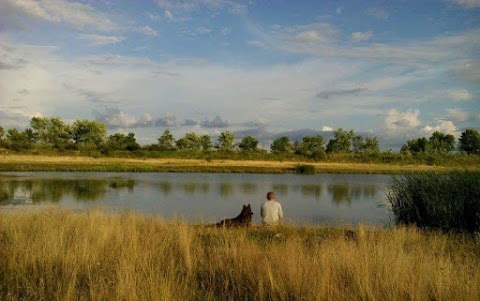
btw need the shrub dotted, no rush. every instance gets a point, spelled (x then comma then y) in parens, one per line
(450, 202)
(305, 169)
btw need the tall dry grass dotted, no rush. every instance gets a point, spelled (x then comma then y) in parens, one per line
(55, 255)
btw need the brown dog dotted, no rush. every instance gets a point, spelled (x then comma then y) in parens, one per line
(244, 219)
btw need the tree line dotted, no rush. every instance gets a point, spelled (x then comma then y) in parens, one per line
(88, 135)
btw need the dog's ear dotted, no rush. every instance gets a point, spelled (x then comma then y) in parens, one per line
(249, 205)
(244, 206)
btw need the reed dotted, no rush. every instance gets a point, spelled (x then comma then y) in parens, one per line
(95, 255)
(449, 201)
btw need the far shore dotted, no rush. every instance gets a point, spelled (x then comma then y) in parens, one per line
(82, 163)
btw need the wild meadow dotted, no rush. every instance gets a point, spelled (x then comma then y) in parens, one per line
(97, 255)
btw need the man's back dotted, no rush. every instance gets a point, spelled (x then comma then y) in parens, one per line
(271, 212)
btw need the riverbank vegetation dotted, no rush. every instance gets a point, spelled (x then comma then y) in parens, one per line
(54, 137)
(18, 162)
(450, 201)
(94, 255)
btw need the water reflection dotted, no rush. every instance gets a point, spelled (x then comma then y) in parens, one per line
(249, 188)
(342, 193)
(315, 198)
(280, 189)
(55, 190)
(312, 190)
(226, 189)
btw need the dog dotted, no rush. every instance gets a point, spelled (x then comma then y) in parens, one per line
(244, 219)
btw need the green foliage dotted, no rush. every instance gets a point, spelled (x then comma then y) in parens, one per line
(441, 143)
(470, 141)
(88, 133)
(365, 145)
(281, 145)
(225, 141)
(18, 141)
(51, 131)
(444, 201)
(120, 141)
(206, 143)
(189, 142)
(419, 145)
(166, 142)
(310, 145)
(342, 141)
(248, 143)
(2, 135)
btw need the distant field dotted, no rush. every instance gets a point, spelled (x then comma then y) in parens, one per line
(93, 255)
(72, 163)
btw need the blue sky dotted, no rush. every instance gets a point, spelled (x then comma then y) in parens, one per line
(395, 69)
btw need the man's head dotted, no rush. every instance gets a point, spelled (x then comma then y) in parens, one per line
(270, 196)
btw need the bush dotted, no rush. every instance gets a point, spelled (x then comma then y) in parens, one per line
(305, 169)
(450, 202)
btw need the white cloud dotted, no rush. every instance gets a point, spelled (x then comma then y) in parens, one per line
(225, 31)
(147, 30)
(77, 15)
(324, 40)
(361, 36)
(458, 114)
(100, 40)
(116, 119)
(459, 95)
(153, 17)
(309, 36)
(402, 121)
(467, 3)
(188, 6)
(443, 126)
(168, 15)
(327, 129)
(379, 13)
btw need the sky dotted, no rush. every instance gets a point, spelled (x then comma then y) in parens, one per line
(394, 69)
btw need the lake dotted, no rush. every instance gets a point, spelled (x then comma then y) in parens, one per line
(318, 199)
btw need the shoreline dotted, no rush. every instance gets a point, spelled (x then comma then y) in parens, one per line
(16, 163)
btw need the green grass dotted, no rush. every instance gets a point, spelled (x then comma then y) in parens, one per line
(448, 201)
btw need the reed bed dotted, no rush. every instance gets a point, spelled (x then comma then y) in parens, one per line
(95, 255)
(449, 201)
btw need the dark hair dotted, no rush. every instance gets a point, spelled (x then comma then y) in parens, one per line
(270, 195)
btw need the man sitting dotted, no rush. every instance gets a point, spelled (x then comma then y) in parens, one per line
(271, 211)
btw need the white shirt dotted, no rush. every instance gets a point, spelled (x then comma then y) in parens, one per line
(271, 212)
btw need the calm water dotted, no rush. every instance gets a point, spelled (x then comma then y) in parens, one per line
(321, 198)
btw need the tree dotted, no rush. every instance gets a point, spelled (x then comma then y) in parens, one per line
(367, 145)
(120, 141)
(225, 141)
(281, 145)
(189, 142)
(441, 143)
(310, 145)
(51, 131)
(470, 141)
(248, 143)
(206, 143)
(17, 140)
(166, 142)
(88, 132)
(414, 146)
(342, 141)
(2, 134)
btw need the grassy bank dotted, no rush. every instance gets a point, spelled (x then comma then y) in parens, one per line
(73, 163)
(54, 255)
